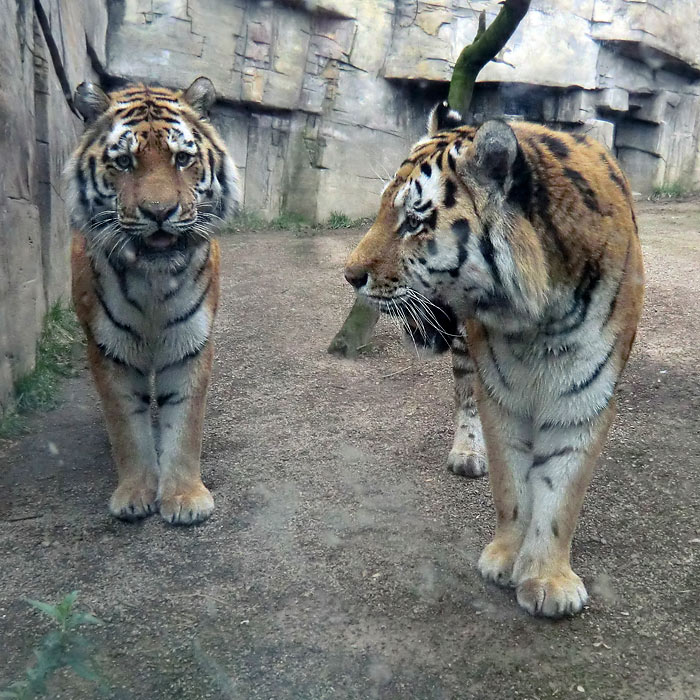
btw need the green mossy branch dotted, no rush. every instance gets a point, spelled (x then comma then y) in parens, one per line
(484, 48)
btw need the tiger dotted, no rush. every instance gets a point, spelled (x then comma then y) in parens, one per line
(148, 185)
(519, 245)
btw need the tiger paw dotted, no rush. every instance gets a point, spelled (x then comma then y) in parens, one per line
(467, 463)
(187, 506)
(496, 562)
(556, 596)
(131, 501)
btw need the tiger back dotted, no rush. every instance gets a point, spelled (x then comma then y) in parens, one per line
(148, 186)
(526, 239)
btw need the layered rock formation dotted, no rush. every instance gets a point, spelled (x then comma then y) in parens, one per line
(42, 56)
(320, 100)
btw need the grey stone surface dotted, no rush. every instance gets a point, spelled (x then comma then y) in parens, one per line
(599, 129)
(329, 85)
(37, 133)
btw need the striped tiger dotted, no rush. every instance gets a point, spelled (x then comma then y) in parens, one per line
(526, 239)
(147, 187)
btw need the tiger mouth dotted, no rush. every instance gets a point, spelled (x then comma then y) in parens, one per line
(384, 303)
(161, 244)
(161, 240)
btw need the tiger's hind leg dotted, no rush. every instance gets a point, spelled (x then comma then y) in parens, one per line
(468, 454)
(181, 396)
(125, 395)
(562, 467)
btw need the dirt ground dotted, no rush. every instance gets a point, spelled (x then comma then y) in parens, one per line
(340, 561)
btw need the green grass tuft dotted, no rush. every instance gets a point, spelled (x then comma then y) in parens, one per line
(288, 221)
(38, 389)
(671, 190)
(247, 220)
(339, 220)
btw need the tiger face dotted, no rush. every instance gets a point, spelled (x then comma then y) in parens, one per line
(447, 243)
(151, 178)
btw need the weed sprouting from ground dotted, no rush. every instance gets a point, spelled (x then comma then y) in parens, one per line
(62, 647)
(289, 221)
(247, 220)
(54, 361)
(672, 190)
(339, 220)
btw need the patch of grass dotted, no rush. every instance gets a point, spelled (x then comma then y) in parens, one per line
(246, 220)
(672, 190)
(288, 221)
(339, 220)
(38, 389)
(63, 647)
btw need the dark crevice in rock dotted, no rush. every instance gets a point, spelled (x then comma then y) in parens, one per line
(55, 57)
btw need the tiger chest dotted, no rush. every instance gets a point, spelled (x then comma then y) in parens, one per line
(151, 321)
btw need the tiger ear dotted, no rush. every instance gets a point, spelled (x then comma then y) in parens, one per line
(493, 153)
(442, 117)
(201, 95)
(91, 101)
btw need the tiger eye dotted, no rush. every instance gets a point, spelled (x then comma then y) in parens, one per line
(182, 159)
(123, 161)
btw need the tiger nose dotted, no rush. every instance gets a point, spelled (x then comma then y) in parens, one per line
(157, 211)
(356, 275)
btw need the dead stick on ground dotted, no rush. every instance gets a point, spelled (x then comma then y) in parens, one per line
(398, 371)
(20, 518)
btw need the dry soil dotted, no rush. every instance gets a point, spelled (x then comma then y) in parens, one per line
(340, 561)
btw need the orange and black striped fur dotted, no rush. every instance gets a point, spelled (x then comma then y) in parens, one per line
(148, 185)
(525, 238)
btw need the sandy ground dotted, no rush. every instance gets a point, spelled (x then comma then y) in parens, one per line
(340, 562)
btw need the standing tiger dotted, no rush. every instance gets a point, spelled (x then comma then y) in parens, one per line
(526, 238)
(148, 185)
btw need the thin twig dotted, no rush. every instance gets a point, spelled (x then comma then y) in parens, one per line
(398, 371)
(19, 518)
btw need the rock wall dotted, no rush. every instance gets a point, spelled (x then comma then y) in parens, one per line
(42, 55)
(320, 100)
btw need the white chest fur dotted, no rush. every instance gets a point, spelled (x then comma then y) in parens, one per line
(151, 319)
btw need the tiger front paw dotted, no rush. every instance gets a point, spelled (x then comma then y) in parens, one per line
(560, 595)
(496, 562)
(187, 506)
(467, 463)
(133, 500)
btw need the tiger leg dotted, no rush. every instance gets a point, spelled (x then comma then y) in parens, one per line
(509, 446)
(125, 395)
(468, 454)
(562, 467)
(181, 396)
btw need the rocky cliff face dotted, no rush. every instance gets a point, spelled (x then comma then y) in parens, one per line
(320, 100)
(42, 56)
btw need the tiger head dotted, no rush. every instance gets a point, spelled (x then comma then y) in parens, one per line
(151, 177)
(451, 240)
